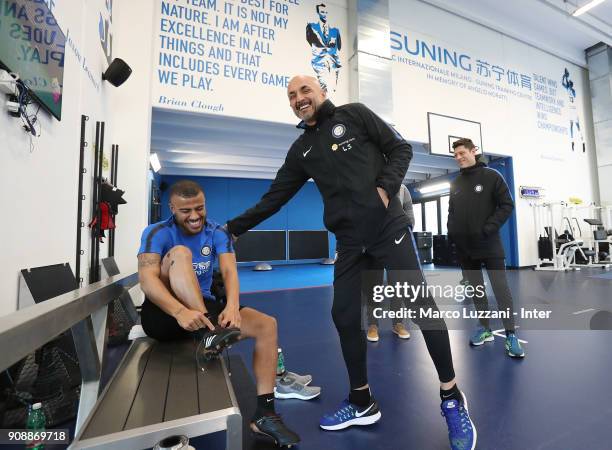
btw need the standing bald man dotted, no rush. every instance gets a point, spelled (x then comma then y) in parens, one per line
(358, 162)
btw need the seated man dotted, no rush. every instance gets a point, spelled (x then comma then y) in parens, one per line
(175, 266)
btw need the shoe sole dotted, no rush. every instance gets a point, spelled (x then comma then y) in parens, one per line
(368, 420)
(478, 344)
(371, 339)
(261, 433)
(406, 336)
(288, 395)
(512, 355)
(465, 403)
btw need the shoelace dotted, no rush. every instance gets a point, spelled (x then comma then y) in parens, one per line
(513, 341)
(344, 412)
(458, 420)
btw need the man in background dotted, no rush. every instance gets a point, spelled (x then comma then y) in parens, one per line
(480, 203)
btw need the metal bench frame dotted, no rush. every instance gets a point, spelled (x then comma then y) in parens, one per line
(84, 311)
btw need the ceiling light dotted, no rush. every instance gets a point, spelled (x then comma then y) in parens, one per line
(155, 164)
(588, 6)
(434, 188)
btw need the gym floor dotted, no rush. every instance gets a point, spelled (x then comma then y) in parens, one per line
(558, 397)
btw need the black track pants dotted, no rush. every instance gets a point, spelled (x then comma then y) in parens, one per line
(496, 269)
(395, 250)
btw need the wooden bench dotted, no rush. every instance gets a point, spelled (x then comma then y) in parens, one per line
(157, 391)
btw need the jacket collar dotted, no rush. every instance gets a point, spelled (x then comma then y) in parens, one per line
(326, 109)
(473, 168)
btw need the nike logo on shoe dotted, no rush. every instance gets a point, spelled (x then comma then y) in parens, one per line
(307, 151)
(359, 414)
(397, 241)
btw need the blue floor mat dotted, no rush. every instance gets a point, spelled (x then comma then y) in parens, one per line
(294, 276)
(285, 277)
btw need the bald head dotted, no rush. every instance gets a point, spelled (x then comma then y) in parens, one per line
(305, 97)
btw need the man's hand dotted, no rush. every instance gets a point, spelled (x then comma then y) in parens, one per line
(383, 196)
(234, 237)
(191, 320)
(230, 317)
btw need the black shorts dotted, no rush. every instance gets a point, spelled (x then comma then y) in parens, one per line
(163, 327)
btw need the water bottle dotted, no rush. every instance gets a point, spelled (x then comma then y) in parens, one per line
(280, 366)
(36, 423)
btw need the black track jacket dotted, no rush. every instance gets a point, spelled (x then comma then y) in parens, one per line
(348, 153)
(479, 204)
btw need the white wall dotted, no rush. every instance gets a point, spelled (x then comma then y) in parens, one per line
(240, 84)
(130, 118)
(510, 122)
(39, 187)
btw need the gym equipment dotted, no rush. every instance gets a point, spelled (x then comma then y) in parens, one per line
(424, 243)
(600, 250)
(444, 251)
(555, 251)
(570, 250)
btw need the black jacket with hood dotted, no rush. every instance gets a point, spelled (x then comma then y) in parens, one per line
(479, 204)
(348, 153)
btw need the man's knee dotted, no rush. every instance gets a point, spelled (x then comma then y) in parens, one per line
(265, 325)
(179, 251)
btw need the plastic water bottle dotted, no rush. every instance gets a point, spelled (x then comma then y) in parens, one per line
(280, 366)
(36, 423)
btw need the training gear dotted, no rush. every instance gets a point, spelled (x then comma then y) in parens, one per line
(479, 204)
(450, 394)
(205, 247)
(302, 379)
(401, 331)
(496, 269)
(265, 404)
(461, 430)
(481, 335)
(213, 342)
(287, 387)
(272, 425)
(349, 414)
(513, 346)
(347, 313)
(353, 151)
(372, 333)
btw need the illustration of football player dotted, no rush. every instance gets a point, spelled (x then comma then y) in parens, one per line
(575, 135)
(325, 44)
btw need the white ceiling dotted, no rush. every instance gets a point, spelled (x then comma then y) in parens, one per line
(208, 145)
(546, 24)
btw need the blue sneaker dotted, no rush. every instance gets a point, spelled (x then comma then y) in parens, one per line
(513, 346)
(481, 335)
(461, 430)
(349, 414)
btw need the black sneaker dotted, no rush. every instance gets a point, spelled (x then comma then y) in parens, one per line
(272, 425)
(213, 342)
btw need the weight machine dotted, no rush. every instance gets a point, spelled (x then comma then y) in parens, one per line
(568, 250)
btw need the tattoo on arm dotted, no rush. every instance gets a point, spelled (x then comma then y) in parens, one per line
(148, 260)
